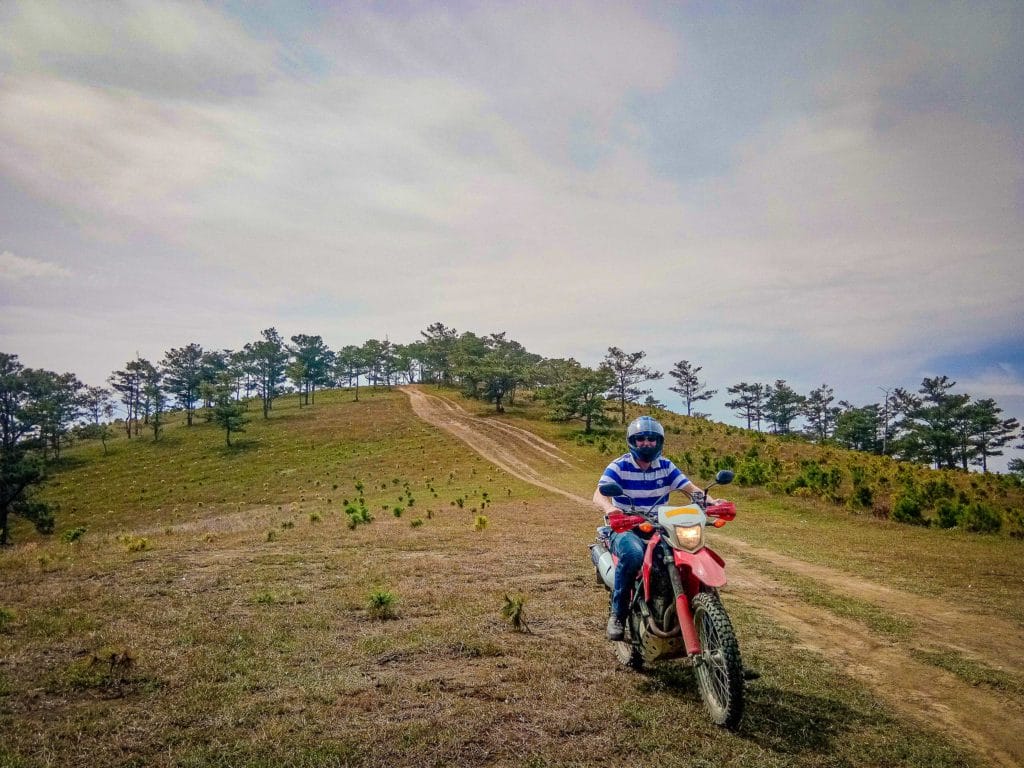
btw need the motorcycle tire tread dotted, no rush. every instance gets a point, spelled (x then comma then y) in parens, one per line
(709, 604)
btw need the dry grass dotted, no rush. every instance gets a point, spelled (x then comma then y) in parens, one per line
(249, 650)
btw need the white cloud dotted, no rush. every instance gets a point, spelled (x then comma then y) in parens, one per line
(16, 268)
(159, 47)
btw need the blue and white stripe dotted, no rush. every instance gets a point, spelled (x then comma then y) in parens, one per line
(647, 488)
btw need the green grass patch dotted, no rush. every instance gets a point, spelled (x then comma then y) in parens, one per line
(970, 670)
(867, 613)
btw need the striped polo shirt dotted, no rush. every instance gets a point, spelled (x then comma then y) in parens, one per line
(647, 488)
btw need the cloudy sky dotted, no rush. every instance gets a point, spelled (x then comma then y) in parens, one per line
(819, 192)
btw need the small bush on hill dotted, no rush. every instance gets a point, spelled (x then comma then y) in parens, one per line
(1015, 523)
(908, 509)
(949, 513)
(134, 543)
(863, 497)
(73, 535)
(752, 471)
(381, 605)
(512, 611)
(357, 516)
(982, 518)
(933, 491)
(818, 480)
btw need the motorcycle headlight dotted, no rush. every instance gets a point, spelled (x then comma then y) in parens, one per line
(689, 536)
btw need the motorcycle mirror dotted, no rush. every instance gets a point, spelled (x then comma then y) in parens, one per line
(610, 488)
(724, 476)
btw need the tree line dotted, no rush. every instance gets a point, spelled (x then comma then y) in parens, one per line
(42, 411)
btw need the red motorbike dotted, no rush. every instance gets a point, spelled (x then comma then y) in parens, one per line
(675, 610)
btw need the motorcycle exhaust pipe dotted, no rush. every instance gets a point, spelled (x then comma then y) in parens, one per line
(602, 560)
(668, 621)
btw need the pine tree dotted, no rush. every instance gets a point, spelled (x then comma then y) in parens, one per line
(688, 385)
(183, 373)
(229, 414)
(580, 395)
(782, 405)
(748, 403)
(821, 415)
(628, 374)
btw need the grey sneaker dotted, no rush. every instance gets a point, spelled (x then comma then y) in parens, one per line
(615, 629)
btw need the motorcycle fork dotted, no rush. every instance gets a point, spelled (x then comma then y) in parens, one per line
(683, 612)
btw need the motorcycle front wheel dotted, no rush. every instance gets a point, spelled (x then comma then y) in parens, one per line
(719, 668)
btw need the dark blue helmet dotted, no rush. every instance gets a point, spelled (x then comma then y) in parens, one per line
(648, 427)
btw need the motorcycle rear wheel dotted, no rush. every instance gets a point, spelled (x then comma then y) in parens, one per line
(719, 668)
(628, 651)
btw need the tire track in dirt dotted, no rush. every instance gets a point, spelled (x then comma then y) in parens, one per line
(991, 723)
(941, 623)
(479, 435)
(988, 721)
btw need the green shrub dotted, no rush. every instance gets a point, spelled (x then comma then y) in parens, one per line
(908, 509)
(752, 471)
(381, 605)
(134, 543)
(416, 522)
(6, 619)
(480, 523)
(982, 518)
(1015, 523)
(357, 516)
(512, 611)
(73, 535)
(949, 513)
(934, 491)
(819, 480)
(862, 498)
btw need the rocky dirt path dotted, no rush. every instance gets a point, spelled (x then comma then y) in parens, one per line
(988, 719)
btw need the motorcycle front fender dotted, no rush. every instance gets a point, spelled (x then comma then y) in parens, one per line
(705, 565)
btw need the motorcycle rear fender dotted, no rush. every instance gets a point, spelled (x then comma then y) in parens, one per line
(704, 565)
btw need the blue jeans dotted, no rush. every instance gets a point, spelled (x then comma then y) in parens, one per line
(629, 549)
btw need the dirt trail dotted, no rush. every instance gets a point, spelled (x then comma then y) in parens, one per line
(988, 719)
(518, 452)
(938, 622)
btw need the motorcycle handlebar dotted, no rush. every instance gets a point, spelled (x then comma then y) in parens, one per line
(620, 522)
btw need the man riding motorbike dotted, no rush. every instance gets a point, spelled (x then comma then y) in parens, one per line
(646, 478)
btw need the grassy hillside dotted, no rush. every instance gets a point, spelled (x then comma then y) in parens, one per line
(220, 608)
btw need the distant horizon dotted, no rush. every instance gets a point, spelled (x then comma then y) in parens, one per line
(660, 390)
